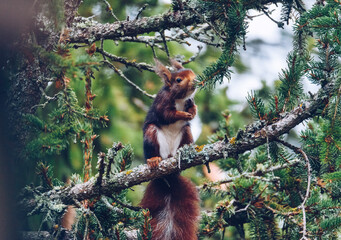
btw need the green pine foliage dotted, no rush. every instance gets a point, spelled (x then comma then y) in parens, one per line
(112, 217)
(265, 195)
(229, 19)
(268, 204)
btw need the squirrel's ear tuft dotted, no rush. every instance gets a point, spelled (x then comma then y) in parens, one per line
(163, 72)
(176, 64)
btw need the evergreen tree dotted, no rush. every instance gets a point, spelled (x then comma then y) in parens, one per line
(279, 190)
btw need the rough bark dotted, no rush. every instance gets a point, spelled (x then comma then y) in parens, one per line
(89, 32)
(70, 10)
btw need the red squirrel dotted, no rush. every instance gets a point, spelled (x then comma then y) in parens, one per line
(173, 201)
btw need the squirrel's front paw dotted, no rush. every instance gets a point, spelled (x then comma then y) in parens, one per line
(153, 162)
(188, 116)
(193, 110)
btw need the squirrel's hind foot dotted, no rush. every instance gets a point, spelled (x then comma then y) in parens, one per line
(153, 162)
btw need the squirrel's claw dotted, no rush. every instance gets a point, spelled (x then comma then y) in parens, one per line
(153, 162)
(193, 110)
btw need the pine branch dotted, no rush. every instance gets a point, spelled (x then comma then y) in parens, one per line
(70, 10)
(190, 157)
(97, 31)
(258, 174)
(112, 57)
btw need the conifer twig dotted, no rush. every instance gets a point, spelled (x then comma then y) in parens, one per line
(109, 9)
(204, 20)
(155, 39)
(111, 207)
(207, 42)
(258, 175)
(306, 196)
(112, 57)
(120, 73)
(48, 99)
(101, 168)
(141, 10)
(245, 208)
(135, 208)
(279, 24)
(191, 59)
(162, 33)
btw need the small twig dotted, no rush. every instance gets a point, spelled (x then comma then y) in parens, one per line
(223, 234)
(279, 24)
(306, 196)
(199, 39)
(244, 209)
(111, 207)
(111, 161)
(336, 108)
(112, 57)
(258, 175)
(191, 59)
(288, 214)
(208, 167)
(164, 42)
(268, 148)
(254, 16)
(98, 222)
(48, 99)
(141, 10)
(86, 229)
(76, 46)
(300, 5)
(112, 152)
(101, 167)
(155, 39)
(109, 9)
(43, 171)
(87, 212)
(135, 208)
(119, 72)
(153, 50)
(102, 48)
(204, 20)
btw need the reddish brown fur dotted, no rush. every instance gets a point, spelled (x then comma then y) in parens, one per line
(154, 162)
(193, 110)
(184, 204)
(173, 201)
(187, 137)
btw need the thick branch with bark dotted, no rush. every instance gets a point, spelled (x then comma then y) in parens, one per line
(81, 33)
(254, 136)
(70, 10)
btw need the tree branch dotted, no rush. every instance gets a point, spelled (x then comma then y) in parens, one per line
(253, 137)
(70, 9)
(79, 33)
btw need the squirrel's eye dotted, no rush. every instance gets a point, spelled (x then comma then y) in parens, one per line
(178, 80)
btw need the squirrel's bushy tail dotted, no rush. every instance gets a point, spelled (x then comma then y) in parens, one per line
(173, 202)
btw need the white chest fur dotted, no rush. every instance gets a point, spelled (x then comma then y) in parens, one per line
(169, 136)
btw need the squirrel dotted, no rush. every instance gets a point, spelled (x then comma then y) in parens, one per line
(173, 201)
